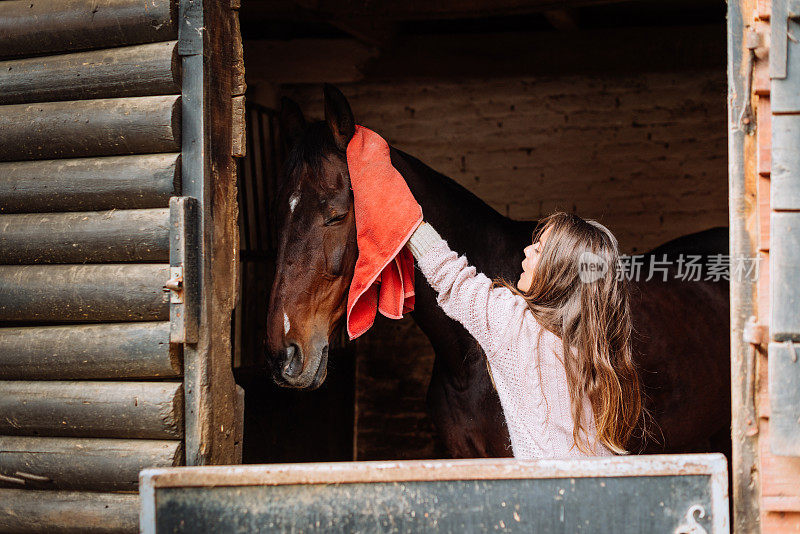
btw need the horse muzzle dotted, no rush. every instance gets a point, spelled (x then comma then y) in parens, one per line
(300, 370)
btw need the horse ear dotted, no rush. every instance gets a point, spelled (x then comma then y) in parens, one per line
(291, 120)
(339, 116)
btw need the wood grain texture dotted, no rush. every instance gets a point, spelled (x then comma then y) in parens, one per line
(84, 184)
(67, 293)
(100, 127)
(24, 511)
(92, 409)
(39, 26)
(103, 351)
(85, 237)
(83, 463)
(238, 128)
(149, 69)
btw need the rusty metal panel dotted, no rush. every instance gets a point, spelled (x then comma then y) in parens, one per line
(785, 276)
(785, 172)
(784, 398)
(678, 493)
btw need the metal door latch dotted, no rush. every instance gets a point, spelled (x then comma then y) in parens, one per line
(175, 285)
(690, 524)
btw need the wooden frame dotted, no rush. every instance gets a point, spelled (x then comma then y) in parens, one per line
(713, 465)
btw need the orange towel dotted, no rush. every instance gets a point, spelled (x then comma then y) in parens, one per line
(386, 216)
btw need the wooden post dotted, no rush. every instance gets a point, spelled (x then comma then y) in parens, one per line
(742, 180)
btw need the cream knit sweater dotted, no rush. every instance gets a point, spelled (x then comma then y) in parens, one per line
(526, 360)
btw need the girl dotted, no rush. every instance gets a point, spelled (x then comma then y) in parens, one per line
(568, 300)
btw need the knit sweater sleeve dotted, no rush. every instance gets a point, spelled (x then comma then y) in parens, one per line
(493, 316)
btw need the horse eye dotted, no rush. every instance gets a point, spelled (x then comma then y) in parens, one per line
(335, 219)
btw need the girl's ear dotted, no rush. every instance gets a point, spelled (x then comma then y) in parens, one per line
(291, 120)
(339, 116)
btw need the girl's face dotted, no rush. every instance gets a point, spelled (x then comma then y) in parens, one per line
(532, 253)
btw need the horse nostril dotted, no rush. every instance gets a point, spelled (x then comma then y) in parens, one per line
(293, 364)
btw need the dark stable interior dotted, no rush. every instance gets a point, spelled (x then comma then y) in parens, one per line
(372, 403)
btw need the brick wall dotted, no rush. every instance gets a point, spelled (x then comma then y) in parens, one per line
(645, 154)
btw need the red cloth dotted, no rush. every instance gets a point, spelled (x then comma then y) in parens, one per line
(386, 216)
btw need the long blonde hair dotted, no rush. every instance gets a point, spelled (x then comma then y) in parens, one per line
(589, 311)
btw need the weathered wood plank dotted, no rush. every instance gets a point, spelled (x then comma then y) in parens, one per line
(85, 237)
(66, 293)
(121, 350)
(83, 184)
(238, 84)
(238, 127)
(149, 69)
(37, 27)
(24, 511)
(111, 126)
(92, 409)
(82, 463)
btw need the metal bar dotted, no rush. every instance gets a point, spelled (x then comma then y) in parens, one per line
(273, 157)
(262, 182)
(742, 244)
(195, 184)
(254, 180)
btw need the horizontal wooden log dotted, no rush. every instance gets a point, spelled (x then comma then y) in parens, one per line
(82, 463)
(143, 410)
(149, 69)
(25, 511)
(38, 27)
(101, 127)
(91, 293)
(85, 352)
(85, 237)
(84, 184)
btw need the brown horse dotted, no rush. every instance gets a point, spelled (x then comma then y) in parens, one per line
(682, 342)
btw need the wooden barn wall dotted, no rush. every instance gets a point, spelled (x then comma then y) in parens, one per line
(646, 154)
(778, 475)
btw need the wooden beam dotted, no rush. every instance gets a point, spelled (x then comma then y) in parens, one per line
(149, 69)
(82, 463)
(413, 9)
(71, 293)
(238, 128)
(307, 60)
(101, 127)
(89, 352)
(86, 237)
(563, 19)
(142, 410)
(32, 28)
(487, 55)
(24, 511)
(84, 184)
(238, 85)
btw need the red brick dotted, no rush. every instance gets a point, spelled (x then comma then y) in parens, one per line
(764, 135)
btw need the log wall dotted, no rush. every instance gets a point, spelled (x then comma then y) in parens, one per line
(90, 137)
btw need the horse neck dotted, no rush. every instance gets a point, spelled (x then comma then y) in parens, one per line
(469, 225)
(492, 243)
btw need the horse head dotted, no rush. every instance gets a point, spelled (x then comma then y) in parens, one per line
(317, 251)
